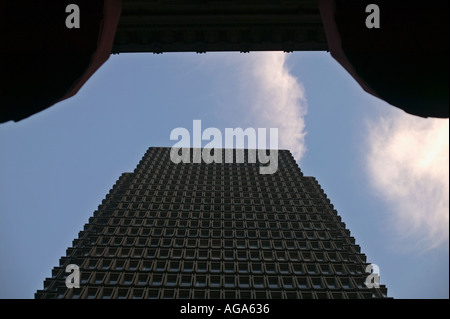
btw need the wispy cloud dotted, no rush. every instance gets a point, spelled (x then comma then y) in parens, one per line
(275, 98)
(408, 165)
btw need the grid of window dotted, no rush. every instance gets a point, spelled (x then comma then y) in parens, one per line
(219, 230)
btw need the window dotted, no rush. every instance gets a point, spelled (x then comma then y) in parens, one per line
(287, 234)
(216, 243)
(137, 293)
(194, 223)
(280, 255)
(171, 279)
(242, 267)
(229, 281)
(174, 265)
(193, 233)
(270, 268)
(147, 265)
(284, 268)
(241, 254)
(183, 294)
(169, 232)
(267, 255)
(264, 234)
(261, 225)
(160, 266)
(203, 243)
(189, 253)
(204, 223)
(332, 256)
(188, 266)
(122, 293)
(142, 279)
(262, 294)
(151, 253)
(156, 280)
(266, 244)
(273, 282)
(200, 281)
(202, 266)
(228, 243)
(116, 241)
(216, 254)
(215, 281)
(166, 242)
(253, 244)
(317, 283)
(288, 282)
(164, 253)
(228, 233)
(284, 225)
(228, 224)
(325, 269)
(107, 293)
(346, 283)
(278, 244)
(331, 283)
(133, 264)
(215, 267)
(120, 264)
(311, 269)
(105, 264)
(128, 278)
(204, 254)
(228, 254)
(145, 232)
(339, 269)
(240, 243)
(243, 281)
(307, 256)
(256, 267)
(240, 234)
(191, 242)
(92, 263)
(99, 278)
(228, 267)
(141, 241)
(178, 242)
(258, 282)
(303, 283)
(154, 242)
(185, 280)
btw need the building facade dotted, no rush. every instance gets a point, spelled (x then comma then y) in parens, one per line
(209, 26)
(214, 231)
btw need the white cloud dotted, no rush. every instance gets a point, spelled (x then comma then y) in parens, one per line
(408, 165)
(275, 97)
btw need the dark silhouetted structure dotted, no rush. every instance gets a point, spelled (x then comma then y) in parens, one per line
(214, 230)
(404, 62)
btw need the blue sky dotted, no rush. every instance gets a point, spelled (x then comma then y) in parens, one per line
(385, 171)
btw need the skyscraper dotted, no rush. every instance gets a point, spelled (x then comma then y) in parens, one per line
(218, 230)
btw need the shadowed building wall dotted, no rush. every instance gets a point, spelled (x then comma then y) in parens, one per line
(219, 230)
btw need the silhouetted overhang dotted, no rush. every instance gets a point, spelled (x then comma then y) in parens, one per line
(225, 25)
(44, 62)
(405, 61)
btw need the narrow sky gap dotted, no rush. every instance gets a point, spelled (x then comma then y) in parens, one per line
(278, 100)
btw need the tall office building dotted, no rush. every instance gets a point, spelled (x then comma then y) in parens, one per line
(218, 230)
